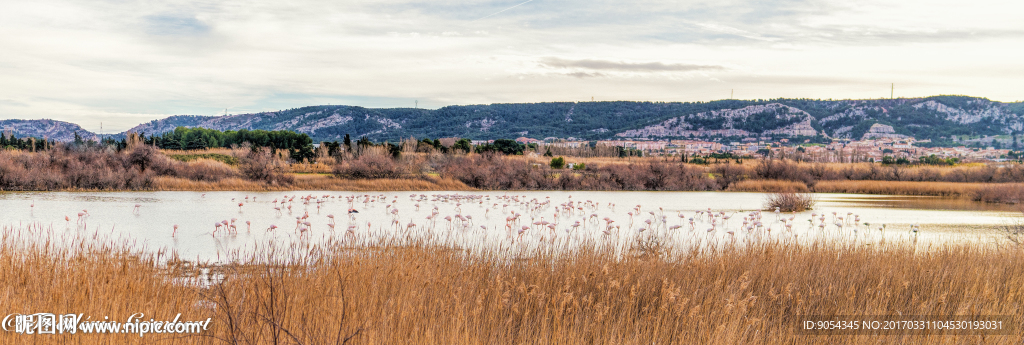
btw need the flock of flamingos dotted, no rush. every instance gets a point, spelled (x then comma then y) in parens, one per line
(519, 218)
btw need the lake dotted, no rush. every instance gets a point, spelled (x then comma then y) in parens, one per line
(480, 218)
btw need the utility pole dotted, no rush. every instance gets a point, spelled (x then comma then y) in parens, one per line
(417, 104)
(732, 93)
(892, 91)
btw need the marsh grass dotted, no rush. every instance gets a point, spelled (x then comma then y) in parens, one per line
(1001, 193)
(768, 186)
(419, 292)
(950, 189)
(220, 157)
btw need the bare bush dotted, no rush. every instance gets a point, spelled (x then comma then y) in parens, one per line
(260, 164)
(369, 165)
(789, 202)
(999, 194)
(782, 169)
(64, 167)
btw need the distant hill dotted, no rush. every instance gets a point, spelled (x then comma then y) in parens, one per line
(49, 129)
(938, 118)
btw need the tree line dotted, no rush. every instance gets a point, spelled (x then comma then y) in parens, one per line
(28, 144)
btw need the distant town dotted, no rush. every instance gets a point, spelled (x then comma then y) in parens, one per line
(879, 145)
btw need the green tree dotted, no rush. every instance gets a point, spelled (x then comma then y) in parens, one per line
(197, 143)
(509, 147)
(463, 144)
(557, 163)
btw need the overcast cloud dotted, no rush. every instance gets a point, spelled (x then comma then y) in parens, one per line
(123, 63)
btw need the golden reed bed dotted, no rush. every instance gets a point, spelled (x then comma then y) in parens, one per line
(431, 294)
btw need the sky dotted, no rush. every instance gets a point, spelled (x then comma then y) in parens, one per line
(121, 63)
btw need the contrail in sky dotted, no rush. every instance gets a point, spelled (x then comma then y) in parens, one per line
(496, 13)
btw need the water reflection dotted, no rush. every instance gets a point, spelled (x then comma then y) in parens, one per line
(918, 202)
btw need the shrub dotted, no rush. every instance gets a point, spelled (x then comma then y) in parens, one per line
(789, 202)
(999, 194)
(261, 165)
(557, 163)
(368, 166)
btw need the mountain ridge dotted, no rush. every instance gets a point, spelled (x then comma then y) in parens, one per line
(939, 118)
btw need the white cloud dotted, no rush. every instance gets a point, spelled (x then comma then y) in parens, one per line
(81, 61)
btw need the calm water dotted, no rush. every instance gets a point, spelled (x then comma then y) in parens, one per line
(485, 217)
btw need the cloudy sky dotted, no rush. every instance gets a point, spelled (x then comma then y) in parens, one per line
(126, 62)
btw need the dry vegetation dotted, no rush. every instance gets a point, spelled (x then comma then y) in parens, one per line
(421, 293)
(789, 202)
(141, 167)
(765, 186)
(951, 189)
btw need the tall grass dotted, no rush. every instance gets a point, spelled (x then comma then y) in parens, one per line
(766, 186)
(950, 189)
(1001, 193)
(420, 292)
(220, 157)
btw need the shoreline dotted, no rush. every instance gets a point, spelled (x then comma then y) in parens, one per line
(331, 183)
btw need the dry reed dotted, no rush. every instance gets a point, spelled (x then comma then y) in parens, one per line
(1001, 193)
(951, 189)
(426, 293)
(767, 186)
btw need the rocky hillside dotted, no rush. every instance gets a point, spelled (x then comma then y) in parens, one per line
(754, 120)
(49, 129)
(939, 118)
